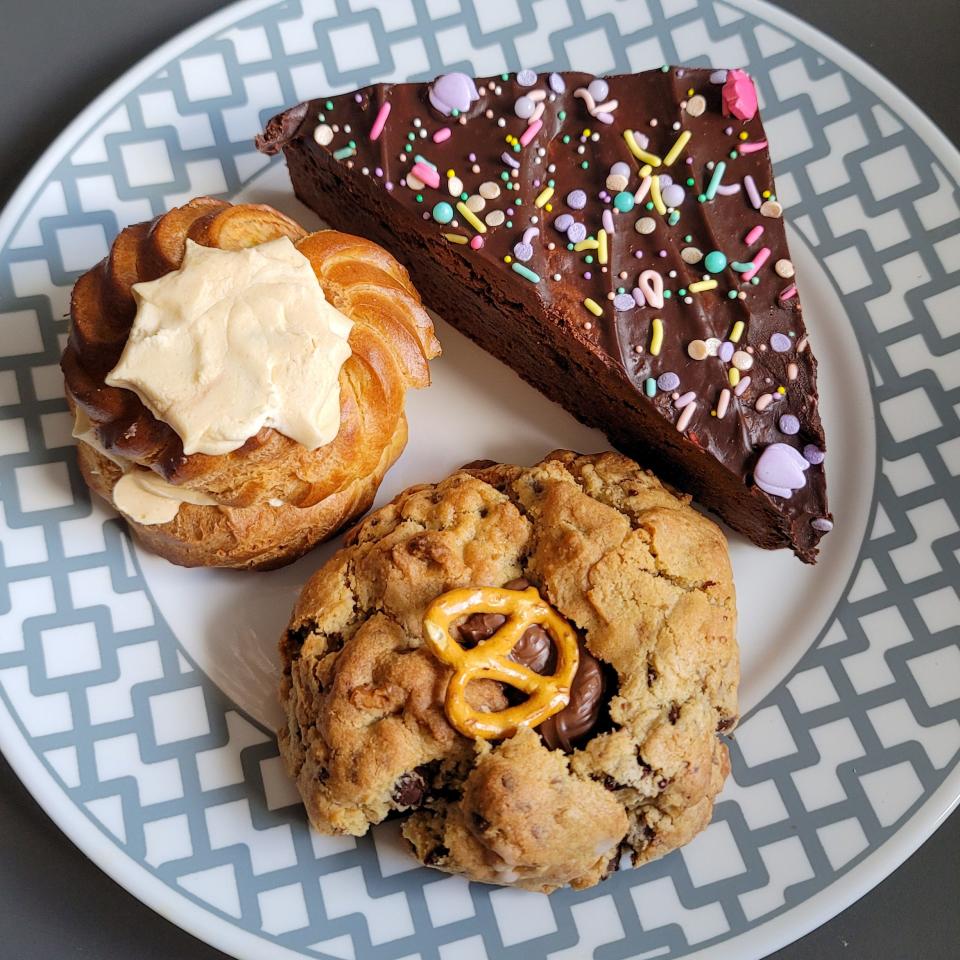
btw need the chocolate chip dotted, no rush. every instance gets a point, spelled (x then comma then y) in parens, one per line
(607, 781)
(534, 650)
(674, 713)
(479, 464)
(727, 723)
(613, 865)
(579, 717)
(438, 853)
(518, 583)
(481, 823)
(651, 675)
(479, 626)
(648, 832)
(410, 789)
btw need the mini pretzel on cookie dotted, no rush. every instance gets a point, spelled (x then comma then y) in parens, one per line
(489, 660)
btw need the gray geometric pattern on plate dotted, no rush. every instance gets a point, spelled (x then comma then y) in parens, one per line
(825, 769)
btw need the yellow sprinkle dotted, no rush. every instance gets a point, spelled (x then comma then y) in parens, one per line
(471, 217)
(545, 194)
(450, 174)
(507, 258)
(690, 91)
(642, 155)
(586, 131)
(677, 148)
(602, 246)
(766, 194)
(655, 196)
(737, 332)
(588, 244)
(593, 307)
(656, 336)
(549, 208)
(645, 170)
(734, 376)
(781, 390)
(455, 238)
(744, 135)
(698, 286)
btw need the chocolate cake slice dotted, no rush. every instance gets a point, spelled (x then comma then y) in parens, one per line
(618, 242)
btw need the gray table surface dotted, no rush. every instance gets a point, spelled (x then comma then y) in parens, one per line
(57, 55)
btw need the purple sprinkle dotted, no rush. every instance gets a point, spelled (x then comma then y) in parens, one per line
(812, 454)
(526, 78)
(780, 343)
(789, 424)
(358, 98)
(638, 254)
(726, 351)
(689, 163)
(510, 211)
(472, 157)
(620, 169)
(673, 195)
(509, 161)
(668, 382)
(563, 223)
(665, 180)
(536, 183)
(822, 524)
(576, 199)
(662, 253)
(378, 171)
(752, 192)
(638, 297)
(603, 117)
(780, 470)
(576, 232)
(718, 76)
(556, 83)
(587, 275)
(598, 89)
(604, 196)
(523, 251)
(728, 189)
(728, 131)
(606, 219)
(688, 397)
(623, 301)
(389, 184)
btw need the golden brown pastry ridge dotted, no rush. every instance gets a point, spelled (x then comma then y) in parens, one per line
(392, 341)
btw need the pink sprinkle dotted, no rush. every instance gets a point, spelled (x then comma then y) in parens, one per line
(442, 134)
(587, 275)
(606, 218)
(763, 255)
(530, 132)
(476, 242)
(753, 235)
(378, 171)
(380, 121)
(788, 292)
(427, 174)
(682, 401)
(642, 190)
(752, 146)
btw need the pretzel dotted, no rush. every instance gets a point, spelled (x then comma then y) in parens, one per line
(488, 660)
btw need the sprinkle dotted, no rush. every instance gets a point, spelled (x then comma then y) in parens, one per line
(476, 242)
(606, 218)
(427, 174)
(742, 360)
(685, 400)
(545, 194)
(696, 105)
(752, 147)
(576, 199)
(344, 152)
(593, 307)
(763, 401)
(691, 255)
(761, 257)
(718, 172)
(725, 351)
(715, 261)
(737, 332)
(624, 201)
(588, 244)
(822, 524)
(697, 350)
(686, 417)
(656, 197)
(443, 212)
(645, 225)
(733, 377)
(455, 237)
(650, 387)
(668, 381)
(753, 235)
(323, 134)
(494, 218)
(789, 424)
(813, 454)
(509, 161)
(647, 158)
(656, 336)
(623, 301)
(650, 283)
(770, 208)
(471, 217)
(525, 272)
(677, 148)
(380, 120)
(728, 189)
(602, 246)
(741, 267)
(749, 184)
(793, 371)
(723, 403)
(439, 136)
(784, 268)
(700, 285)
(786, 294)
(780, 343)
(532, 130)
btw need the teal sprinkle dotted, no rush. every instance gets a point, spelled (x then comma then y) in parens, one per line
(551, 182)
(650, 387)
(667, 294)
(664, 69)
(731, 294)
(624, 201)
(674, 218)
(621, 290)
(421, 159)
(352, 144)
(682, 292)
(419, 198)
(733, 154)
(443, 212)
(524, 272)
(569, 246)
(715, 180)
(509, 224)
(755, 281)
(688, 238)
(741, 267)
(504, 175)
(504, 77)
(690, 181)
(562, 115)
(408, 147)
(322, 117)
(702, 198)
(454, 112)
(464, 196)
(649, 204)
(518, 202)
(588, 258)
(566, 138)
(714, 262)
(411, 137)
(343, 153)
(328, 105)
(585, 165)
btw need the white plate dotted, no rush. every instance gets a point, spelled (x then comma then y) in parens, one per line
(137, 699)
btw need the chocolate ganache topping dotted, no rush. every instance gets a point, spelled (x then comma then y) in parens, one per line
(638, 214)
(574, 723)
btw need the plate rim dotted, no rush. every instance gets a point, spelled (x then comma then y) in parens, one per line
(204, 924)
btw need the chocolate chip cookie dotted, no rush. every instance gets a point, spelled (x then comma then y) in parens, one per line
(631, 758)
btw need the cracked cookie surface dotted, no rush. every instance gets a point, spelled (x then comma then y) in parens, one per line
(645, 580)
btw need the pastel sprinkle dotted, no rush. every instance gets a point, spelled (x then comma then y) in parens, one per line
(443, 212)
(723, 403)
(789, 424)
(700, 285)
(736, 332)
(545, 194)
(471, 217)
(439, 136)
(725, 350)
(677, 148)
(685, 399)
(753, 235)
(715, 179)
(642, 155)
(589, 243)
(656, 197)
(752, 146)
(733, 378)
(650, 387)
(656, 336)
(686, 416)
(455, 238)
(576, 199)
(760, 258)
(788, 292)
(780, 343)
(532, 130)
(715, 261)
(741, 267)
(668, 382)
(741, 388)
(427, 174)
(624, 201)
(525, 272)
(380, 120)
(606, 218)
(750, 185)
(593, 307)
(623, 301)
(344, 152)
(602, 246)
(813, 454)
